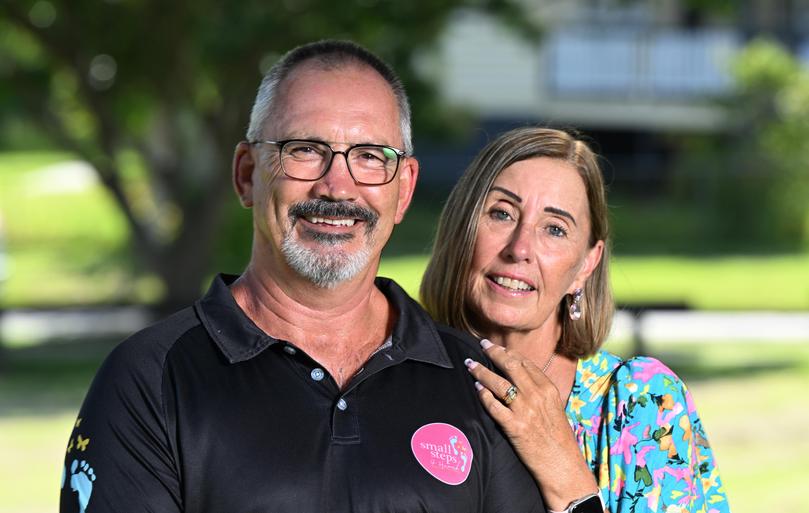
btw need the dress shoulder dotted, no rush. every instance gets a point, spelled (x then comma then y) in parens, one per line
(656, 453)
(647, 369)
(645, 375)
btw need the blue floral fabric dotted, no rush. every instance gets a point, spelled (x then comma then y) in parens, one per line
(640, 433)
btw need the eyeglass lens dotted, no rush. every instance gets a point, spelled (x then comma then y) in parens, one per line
(308, 160)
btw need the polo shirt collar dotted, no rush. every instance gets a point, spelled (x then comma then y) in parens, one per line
(414, 336)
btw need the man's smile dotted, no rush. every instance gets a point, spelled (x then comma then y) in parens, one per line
(332, 222)
(321, 215)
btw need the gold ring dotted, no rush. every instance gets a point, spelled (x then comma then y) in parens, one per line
(510, 394)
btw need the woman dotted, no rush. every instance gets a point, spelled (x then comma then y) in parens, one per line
(521, 258)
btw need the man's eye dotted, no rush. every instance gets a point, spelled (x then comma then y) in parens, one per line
(303, 150)
(370, 157)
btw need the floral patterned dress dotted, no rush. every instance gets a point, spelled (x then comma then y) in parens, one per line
(640, 433)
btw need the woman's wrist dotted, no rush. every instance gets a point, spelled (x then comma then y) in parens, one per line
(590, 503)
(560, 489)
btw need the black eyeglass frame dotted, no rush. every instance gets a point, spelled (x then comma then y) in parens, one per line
(400, 154)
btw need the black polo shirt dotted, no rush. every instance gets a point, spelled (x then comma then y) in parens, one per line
(204, 412)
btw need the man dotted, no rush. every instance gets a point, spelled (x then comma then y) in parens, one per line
(304, 384)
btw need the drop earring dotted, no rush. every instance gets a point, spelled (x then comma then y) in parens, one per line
(575, 307)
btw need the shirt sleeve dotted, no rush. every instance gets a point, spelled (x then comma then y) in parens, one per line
(507, 483)
(659, 456)
(119, 457)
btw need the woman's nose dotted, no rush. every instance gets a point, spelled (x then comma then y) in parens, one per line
(521, 245)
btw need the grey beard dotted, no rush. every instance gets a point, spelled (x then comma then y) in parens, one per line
(330, 265)
(324, 268)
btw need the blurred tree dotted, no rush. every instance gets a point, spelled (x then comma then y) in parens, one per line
(749, 185)
(156, 94)
(772, 120)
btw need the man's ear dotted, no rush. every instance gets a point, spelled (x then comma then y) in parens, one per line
(243, 167)
(408, 175)
(591, 260)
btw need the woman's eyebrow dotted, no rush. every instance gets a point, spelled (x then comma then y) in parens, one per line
(560, 212)
(507, 193)
(518, 199)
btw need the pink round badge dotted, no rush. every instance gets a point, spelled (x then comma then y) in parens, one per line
(444, 452)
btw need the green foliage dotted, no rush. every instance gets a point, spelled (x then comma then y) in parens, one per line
(725, 9)
(765, 65)
(168, 85)
(774, 87)
(660, 433)
(752, 185)
(643, 474)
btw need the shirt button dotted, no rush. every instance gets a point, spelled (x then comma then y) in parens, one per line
(342, 405)
(289, 350)
(317, 374)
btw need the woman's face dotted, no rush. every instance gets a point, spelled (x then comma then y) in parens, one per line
(532, 246)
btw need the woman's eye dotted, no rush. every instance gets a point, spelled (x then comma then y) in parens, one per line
(499, 215)
(557, 231)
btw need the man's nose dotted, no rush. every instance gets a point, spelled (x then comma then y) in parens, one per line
(337, 183)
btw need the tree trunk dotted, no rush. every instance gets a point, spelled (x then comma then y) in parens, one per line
(184, 265)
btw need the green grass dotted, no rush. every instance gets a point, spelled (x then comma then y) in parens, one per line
(749, 397)
(715, 283)
(36, 208)
(37, 443)
(65, 245)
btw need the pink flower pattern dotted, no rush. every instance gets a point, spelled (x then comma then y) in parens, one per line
(625, 443)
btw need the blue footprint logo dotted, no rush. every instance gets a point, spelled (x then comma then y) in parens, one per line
(81, 482)
(453, 441)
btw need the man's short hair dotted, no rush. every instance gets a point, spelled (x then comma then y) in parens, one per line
(327, 54)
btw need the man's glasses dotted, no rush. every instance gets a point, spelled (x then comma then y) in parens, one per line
(368, 164)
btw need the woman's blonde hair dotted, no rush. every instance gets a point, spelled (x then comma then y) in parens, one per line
(445, 286)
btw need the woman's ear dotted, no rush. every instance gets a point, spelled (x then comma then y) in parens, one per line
(591, 260)
(243, 167)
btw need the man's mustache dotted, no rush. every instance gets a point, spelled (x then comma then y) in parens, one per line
(325, 208)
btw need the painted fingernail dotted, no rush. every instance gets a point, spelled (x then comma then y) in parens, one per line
(485, 344)
(478, 386)
(470, 363)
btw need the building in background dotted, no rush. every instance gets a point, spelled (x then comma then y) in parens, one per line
(634, 76)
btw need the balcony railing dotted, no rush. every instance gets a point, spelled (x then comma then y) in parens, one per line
(653, 64)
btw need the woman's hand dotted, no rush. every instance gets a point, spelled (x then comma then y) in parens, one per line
(536, 425)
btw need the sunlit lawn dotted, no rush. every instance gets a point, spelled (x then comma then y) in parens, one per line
(750, 397)
(65, 240)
